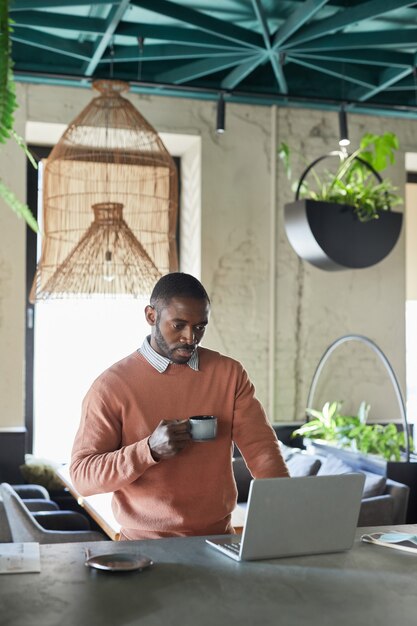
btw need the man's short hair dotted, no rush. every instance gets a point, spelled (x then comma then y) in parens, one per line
(177, 285)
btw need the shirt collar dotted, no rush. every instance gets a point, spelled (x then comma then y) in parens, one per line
(159, 362)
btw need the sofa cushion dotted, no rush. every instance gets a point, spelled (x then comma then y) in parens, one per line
(374, 485)
(332, 465)
(287, 451)
(303, 464)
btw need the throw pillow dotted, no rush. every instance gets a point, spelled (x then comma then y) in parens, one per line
(41, 472)
(374, 485)
(287, 451)
(302, 464)
(332, 465)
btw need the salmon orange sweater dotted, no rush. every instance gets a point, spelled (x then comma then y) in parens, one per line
(193, 492)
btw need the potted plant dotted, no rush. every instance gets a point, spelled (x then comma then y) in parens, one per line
(351, 432)
(345, 219)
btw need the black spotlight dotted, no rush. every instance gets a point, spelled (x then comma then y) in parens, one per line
(343, 128)
(221, 115)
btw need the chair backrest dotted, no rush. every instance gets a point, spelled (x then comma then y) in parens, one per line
(24, 527)
(5, 534)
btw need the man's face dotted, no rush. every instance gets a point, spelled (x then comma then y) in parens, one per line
(178, 327)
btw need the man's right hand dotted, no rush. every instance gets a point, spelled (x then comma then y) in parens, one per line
(169, 438)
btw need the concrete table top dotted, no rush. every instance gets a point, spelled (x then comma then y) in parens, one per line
(191, 584)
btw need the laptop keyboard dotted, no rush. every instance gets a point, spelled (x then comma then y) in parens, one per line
(233, 547)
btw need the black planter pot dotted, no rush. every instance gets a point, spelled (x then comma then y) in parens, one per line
(331, 237)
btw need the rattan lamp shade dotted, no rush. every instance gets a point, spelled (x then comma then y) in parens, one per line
(109, 204)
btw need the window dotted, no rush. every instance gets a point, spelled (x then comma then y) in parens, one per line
(74, 341)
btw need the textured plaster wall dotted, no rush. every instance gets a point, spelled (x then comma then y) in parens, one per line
(239, 176)
(12, 286)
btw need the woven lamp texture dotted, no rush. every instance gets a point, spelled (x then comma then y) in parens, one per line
(110, 198)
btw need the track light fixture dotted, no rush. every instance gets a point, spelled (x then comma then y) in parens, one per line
(221, 115)
(343, 128)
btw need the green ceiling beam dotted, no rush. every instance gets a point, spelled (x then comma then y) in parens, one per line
(341, 71)
(38, 69)
(192, 71)
(279, 72)
(402, 37)
(112, 22)
(366, 57)
(166, 52)
(388, 78)
(58, 21)
(236, 76)
(296, 20)
(202, 21)
(405, 85)
(22, 5)
(260, 16)
(174, 34)
(346, 17)
(38, 39)
(273, 57)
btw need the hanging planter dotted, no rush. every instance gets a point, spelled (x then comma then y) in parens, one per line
(333, 235)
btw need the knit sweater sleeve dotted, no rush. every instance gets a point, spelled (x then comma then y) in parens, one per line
(99, 461)
(253, 434)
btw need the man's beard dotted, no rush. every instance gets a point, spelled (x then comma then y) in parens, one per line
(161, 343)
(168, 352)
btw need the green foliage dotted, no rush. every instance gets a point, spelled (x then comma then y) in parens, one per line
(352, 432)
(8, 102)
(21, 209)
(8, 105)
(354, 183)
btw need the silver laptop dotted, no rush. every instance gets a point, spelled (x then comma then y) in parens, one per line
(297, 516)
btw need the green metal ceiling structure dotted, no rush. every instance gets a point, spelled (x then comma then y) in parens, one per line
(310, 53)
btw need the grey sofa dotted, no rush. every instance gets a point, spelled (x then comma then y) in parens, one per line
(384, 501)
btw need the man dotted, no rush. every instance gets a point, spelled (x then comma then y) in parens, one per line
(134, 438)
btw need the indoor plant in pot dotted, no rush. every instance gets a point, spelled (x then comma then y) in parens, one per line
(351, 432)
(345, 219)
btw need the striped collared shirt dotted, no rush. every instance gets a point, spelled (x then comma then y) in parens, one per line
(159, 362)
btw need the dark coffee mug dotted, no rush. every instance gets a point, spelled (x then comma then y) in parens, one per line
(203, 427)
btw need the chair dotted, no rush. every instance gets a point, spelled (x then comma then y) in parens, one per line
(25, 528)
(36, 498)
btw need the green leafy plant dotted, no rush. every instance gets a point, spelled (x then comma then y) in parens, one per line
(352, 432)
(354, 183)
(8, 105)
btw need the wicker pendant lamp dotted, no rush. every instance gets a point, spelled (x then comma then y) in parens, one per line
(109, 204)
